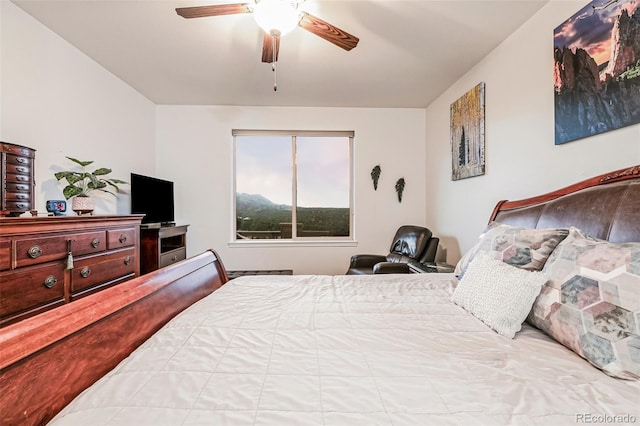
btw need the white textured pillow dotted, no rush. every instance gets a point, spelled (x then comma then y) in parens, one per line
(498, 294)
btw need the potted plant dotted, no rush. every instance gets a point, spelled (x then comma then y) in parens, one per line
(81, 183)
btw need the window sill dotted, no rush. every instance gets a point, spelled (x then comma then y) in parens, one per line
(292, 243)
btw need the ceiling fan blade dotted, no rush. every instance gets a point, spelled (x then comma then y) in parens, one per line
(328, 32)
(267, 48)
(213, 10)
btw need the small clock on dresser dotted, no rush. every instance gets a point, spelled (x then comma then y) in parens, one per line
(57, 207)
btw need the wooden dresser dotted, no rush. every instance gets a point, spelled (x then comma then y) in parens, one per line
(49, 261)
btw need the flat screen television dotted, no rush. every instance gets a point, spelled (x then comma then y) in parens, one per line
(152, 197)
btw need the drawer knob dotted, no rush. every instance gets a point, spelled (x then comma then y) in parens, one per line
(50, 281)
(95, 243)
(21, 160)
(127, 260)
(122, 239)
(174, 258)
(85, 272)
(34, 252)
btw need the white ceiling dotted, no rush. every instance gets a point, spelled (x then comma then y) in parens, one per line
(410, 51)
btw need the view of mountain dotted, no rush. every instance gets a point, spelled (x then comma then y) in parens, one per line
(254, 212)
(256, 201)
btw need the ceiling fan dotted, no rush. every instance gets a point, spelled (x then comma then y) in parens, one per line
(276, 17)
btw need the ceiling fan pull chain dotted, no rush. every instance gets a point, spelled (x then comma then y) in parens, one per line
(273, 64)
(275, 78)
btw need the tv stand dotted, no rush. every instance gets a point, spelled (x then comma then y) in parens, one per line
(162, 246)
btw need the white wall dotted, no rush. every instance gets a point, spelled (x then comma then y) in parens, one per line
(195, 150)
(521, 158)
(56, 100)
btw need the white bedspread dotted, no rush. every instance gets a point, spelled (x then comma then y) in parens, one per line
(348, 350)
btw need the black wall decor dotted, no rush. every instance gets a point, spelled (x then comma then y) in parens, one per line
(375, 175)
(400, 188)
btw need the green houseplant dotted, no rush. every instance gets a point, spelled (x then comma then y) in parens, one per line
(81, 183)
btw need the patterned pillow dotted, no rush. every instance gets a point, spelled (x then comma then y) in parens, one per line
(521, 247)
(591, 303)
(498, 294)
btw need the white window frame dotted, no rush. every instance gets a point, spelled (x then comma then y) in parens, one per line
(295, 240)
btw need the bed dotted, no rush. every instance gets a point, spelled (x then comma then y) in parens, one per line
(184, 345)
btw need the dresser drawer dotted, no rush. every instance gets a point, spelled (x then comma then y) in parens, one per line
(18, 169)
(38, 287)
(39, 250)
(13, 177)
(172, 256)
(97, 272)
(17, 187)
(18, 206)
(117, 238)
(20, 160)
(18, 196)
(87, 243)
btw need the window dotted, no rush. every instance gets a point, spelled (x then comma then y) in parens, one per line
(293, 185)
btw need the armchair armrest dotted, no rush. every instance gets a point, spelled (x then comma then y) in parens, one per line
(422, 268)
(430, 267)
(366, 260)
(391, 268)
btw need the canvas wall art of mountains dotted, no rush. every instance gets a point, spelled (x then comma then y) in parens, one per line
(597, 70)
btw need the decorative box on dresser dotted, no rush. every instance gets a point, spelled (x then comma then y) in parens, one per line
(18, 181)
(48, 261)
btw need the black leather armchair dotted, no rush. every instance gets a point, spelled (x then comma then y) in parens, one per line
(411, 243)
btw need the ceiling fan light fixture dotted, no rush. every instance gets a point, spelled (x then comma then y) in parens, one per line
(276, 15)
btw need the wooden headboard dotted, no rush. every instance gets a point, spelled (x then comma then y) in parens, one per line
(48, 359)
(605, 207)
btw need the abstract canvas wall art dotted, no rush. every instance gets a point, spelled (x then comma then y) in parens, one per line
(467, 134)
(597, 70)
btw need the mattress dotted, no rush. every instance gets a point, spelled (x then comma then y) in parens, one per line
(348, 350)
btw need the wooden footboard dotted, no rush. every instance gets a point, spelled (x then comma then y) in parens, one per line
(47, 360)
